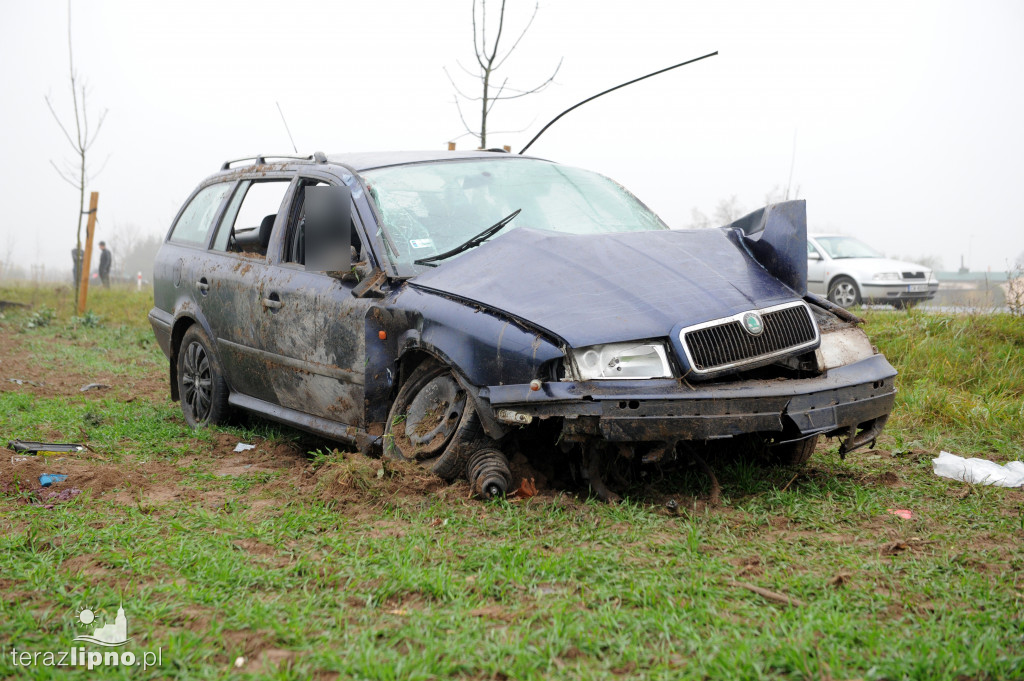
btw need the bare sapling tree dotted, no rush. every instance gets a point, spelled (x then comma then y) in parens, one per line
(76, 172)
(490, 58)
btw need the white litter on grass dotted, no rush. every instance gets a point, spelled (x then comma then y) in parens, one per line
(979, 471)
(242, 447)
(239, 662)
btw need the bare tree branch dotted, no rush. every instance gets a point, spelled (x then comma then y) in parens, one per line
(465, 70)
(463, 119)
(93, 176)
(516, 43)
(539, 88)
(103, 117)
(56, 118)
(458, 137)
(456, 87)
(489, 58)
(497, 38)
(476, 51)
(496, 97)
(69, 180)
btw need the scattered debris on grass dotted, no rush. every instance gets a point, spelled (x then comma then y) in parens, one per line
(895, 548)
(527, 488)
(93, 386)
(47, 479)
(45, 448)
(768, 595)
(979, 471)
(242, 447)
(54, 498)
(901, 513)
(842, 579)
(23, 381)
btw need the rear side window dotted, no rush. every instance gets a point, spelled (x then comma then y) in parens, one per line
(194, 224)
(249, 219)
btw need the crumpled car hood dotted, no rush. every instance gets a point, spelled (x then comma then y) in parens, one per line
(600, 288)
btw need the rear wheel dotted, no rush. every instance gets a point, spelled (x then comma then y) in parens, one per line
(843, 292)
(433, 422)
(201, 385)
(793, 453)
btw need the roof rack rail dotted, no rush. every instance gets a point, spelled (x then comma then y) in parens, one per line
(260, 159)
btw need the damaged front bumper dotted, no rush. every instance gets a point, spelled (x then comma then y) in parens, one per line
(852, 401)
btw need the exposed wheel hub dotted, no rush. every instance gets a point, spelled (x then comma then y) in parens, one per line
(434, 415)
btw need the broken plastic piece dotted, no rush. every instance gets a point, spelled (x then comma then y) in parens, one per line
(44, 448)
(54, 498)
(93, 386)
(527, 488)
(47, 479)
(979, 471)
(242, 447)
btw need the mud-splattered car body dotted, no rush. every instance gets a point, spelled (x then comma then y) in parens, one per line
(615, 335)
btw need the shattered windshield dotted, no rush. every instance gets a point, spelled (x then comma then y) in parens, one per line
(430, 208)
(839, 247)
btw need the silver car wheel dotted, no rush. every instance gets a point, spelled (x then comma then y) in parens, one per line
(844, 293)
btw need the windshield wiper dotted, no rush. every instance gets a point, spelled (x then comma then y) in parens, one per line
(471, 243)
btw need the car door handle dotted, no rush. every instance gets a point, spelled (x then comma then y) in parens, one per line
(273, 302)
(203, 286)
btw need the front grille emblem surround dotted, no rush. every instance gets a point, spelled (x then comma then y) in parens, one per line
(747, 339)
(753, 324)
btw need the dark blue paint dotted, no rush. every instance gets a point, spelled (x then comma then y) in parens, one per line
(601, 288)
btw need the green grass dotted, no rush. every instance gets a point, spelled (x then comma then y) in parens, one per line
(318, 568)
(961, 383)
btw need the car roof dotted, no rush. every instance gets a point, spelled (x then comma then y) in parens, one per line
(360, 161)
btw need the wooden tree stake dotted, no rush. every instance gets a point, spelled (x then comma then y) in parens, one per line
(90, 229)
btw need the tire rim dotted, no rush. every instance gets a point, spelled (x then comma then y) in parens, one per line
(433, 416)
(844, 293)
(197, 382)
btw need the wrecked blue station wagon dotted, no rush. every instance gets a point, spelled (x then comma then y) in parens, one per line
(438, 306)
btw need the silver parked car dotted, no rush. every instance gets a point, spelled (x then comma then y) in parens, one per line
(849, 272)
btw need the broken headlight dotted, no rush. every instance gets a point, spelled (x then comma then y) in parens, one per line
(843, 346)
(622, 360)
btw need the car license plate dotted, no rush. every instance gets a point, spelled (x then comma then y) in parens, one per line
(917, 288)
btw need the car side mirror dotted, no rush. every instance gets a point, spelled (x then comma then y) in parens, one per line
(328, 228)
(813, 256)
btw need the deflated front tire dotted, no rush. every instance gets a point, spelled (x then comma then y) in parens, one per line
(433, 422)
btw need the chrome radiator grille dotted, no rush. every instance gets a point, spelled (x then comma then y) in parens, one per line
(725, 343)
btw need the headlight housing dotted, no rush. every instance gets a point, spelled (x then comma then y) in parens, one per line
(886, 276)
(622, 361)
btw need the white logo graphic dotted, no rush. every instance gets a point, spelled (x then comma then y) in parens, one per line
(109, 635)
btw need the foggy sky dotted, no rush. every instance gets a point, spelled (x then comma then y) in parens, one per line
(907, 116)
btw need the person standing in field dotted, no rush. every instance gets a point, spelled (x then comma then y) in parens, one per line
(105, 259)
